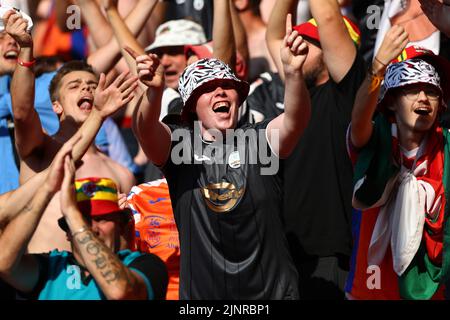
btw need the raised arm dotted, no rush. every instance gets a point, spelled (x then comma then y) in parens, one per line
(240, 35)
(14, 201)
(276, 30)
(104, 58)
(116, 281)
(153, 136)
(99, 28)
(28, 130)
(224, 47)
(123, 35)
(339, 51)
(18, 269)
(438, 13)
(291, 124)
(393, 44)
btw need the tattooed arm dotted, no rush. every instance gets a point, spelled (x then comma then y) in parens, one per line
(19, 270)
(116, 281)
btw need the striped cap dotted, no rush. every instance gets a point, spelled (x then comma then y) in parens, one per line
(96, 196)
(310, 30)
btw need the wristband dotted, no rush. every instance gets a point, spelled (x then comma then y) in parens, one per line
(375, 80)
(378, 60)
(26, 64)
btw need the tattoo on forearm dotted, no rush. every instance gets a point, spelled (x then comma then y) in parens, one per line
(104, 260)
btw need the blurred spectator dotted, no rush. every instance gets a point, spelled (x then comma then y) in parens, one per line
(250, 15)
(200, 11)
(409, 14)
(156, 231)
(318, 175)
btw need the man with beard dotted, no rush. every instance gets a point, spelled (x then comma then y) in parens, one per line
(318, 174)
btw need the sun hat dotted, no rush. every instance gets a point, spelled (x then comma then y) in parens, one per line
(205, 73)
(177, 33)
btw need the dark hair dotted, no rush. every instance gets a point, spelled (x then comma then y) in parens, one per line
(71, 66)
(46, 64)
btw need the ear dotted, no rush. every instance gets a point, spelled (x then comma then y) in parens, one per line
(57, 108)
(241, 5)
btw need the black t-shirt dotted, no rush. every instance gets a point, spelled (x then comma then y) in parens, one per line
(201, 11)
(228, 218)
(6, 291)
(318, 174)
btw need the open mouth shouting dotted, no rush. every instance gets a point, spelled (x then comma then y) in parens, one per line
(222, 107)
(423, 110)
(11, 55)
(86, 103)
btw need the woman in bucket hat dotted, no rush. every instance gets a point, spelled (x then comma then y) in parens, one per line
(226, 202)
(401, 176)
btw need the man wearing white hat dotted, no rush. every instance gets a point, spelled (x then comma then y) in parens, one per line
(171, 37)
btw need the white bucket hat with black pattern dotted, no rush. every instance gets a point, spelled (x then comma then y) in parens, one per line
(205, 73)
(412, 71)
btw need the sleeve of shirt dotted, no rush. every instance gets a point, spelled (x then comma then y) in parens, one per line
(154, 273)
(349, 85)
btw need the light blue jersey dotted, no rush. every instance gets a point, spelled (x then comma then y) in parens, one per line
(65, 280)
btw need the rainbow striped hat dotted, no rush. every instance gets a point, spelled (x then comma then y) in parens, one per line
(309, 29)
(96, 196)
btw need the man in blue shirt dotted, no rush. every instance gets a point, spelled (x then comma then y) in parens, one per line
(9, 174)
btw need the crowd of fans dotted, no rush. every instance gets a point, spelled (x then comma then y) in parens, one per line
(333, 184)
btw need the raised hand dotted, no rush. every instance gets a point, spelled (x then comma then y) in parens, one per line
(107, 100)
(16, 27)
(394, 43)
(56, 170)
(294, 49)
(67, 198)
(122, 201)
(438, 13)
(148, 68)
